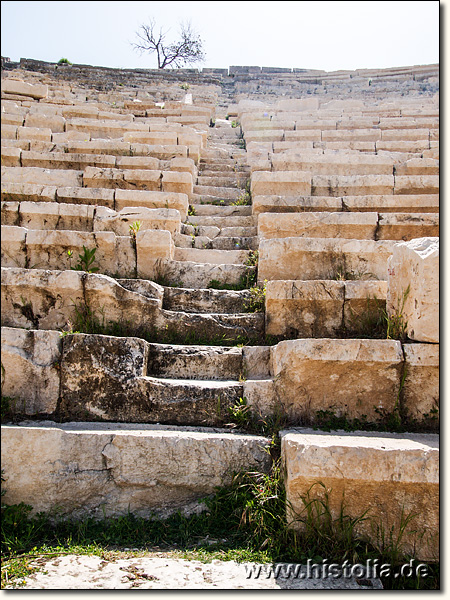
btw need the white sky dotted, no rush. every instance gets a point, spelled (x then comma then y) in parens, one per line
(317, 35)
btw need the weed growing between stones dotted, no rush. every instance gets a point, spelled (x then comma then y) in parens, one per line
(257, 300)
(85, 260)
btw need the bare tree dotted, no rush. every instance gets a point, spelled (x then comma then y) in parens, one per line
(187, 51)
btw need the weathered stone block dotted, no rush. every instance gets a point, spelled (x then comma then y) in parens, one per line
(152, 247)
(89, 196)
(304, 308)
(13, 246)
(147, 199)
(51, 215)
(111, 478)
(11, 157)
(413, 287)
(325, 375)
(364, 306)
(290, 204)
(22, 88)
(407, 226)
(318, 224)
(177, 182)
(34, 133)
(38, 176)
(356, 185)
(384, 477)
(148, 218)
(323, 258)
(416, 184)
(30, 370)
(420, 393)
(55, 123)
(280, 183)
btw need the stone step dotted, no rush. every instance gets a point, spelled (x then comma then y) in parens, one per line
(233, 181)
(407, 203)
(234, 220)
(213, 200)
(235, 243)
(207, 210)
(216, 192)
(111, 478)
(212, 363)
(190, 274)
(223, 169)
(51, 300)
(218, 257)
(205, 300)
(350, 225)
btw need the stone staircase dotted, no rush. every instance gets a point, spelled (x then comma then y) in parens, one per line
(125, 377)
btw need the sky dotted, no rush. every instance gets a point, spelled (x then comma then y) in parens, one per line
(307, 35)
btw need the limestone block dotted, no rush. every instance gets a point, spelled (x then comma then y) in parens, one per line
(111, 479)
(420, 393)
(80, 111)
(420, 203)
(146, 199)
(363, 306)
(416, 184)
(30, 370)
(55, 123)
(262, 399)
(104, 129)
(183, 165)
(333, 164)
(300, 309)
(142, 179)
(10, 157)
(369, 147)
(312, 135)
(317, 224)
(356, 135)
(410, 146)
(404, 135)
(152, 138)
(13, 246)
(149, 218)
(152, 246)
(137, 162)
(118, 179)
(51, 298)
(280, 183)
(34, 133)
(51, 215)
(325, 375)
(407, 226)
(48, 249)
(163, 152)
(88, 196)
(391, 476)
(22, 88)
(12, 119)
(177, 182)
(291, 204)
(82, 145)
(10, 213)
(256, 362)
(323, 258)
(269, 135)
(28, 191)
(414, 266)
(62, 160)
(418, 166)
(351, 185)
(191, 139)
(8, 132)
(38, 176)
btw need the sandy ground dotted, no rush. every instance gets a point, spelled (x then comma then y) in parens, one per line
(153, 571)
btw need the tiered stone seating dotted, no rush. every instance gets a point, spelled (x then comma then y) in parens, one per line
(332, 194)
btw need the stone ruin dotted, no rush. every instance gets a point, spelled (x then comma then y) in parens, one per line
(247, 229)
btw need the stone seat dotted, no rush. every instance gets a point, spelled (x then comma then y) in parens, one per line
(161, 485)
